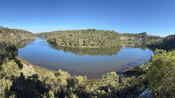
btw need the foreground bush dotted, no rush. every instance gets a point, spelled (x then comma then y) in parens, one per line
(161, 75)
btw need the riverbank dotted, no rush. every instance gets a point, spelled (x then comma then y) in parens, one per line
(17, 72)
(92, 63)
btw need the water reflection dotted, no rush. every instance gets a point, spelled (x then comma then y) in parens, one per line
(22, 44)
(89, 51)
(90, 62)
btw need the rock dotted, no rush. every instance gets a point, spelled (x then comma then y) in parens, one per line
(146, 94)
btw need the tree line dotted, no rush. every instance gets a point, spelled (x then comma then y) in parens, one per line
(92, 38)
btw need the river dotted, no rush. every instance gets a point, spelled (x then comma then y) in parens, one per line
(92, 63)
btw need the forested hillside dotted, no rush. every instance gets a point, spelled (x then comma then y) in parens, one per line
(85, 38)
(167, 43)
(16, 36)
(92, 38)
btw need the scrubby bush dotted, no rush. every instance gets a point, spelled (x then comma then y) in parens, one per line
(110, 79)
(161, 75)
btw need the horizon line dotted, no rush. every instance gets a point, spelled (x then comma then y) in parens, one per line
(36, 32)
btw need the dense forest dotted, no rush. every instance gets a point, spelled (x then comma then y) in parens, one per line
(85, 38)
(92, 38)
(20, 79)
(17, 37)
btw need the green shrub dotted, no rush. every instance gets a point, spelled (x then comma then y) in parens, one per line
(161, 75)
(110, 79)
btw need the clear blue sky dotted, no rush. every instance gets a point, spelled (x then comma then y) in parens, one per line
(157, 17)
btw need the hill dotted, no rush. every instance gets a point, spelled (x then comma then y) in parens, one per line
(17, 37)
(167, 43)
(92, 38)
